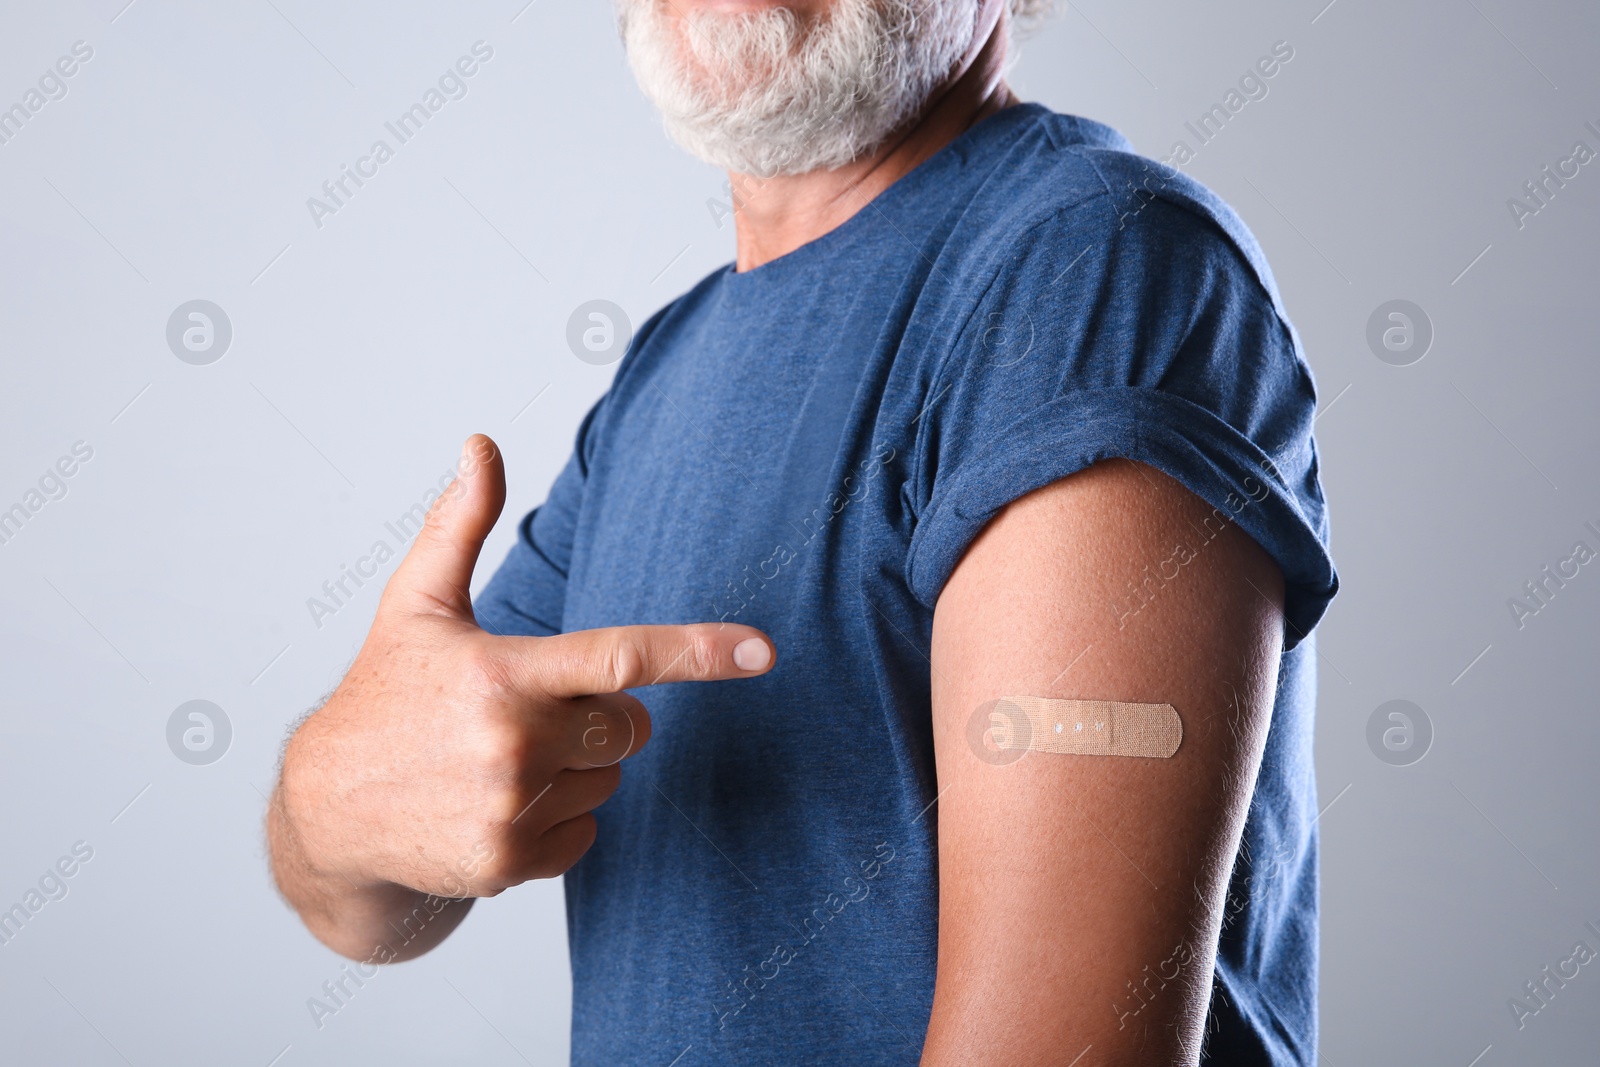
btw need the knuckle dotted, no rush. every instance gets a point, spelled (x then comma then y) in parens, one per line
(703, 656)
(623, 661)
(466, 880)
(490, 829)
(608, 735)
(494, 859)
(493, 876)
(498, 868)
(500, 750)
(484, 671)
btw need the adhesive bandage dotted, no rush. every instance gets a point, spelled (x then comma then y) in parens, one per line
(1000, 731)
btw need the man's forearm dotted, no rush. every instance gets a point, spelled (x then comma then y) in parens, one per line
(382, 923)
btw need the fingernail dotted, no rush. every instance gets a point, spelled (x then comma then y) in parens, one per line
(752, 654)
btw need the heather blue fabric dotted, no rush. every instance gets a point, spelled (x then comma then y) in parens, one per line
(809, 447)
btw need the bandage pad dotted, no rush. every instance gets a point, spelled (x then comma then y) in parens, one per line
(1079, 727)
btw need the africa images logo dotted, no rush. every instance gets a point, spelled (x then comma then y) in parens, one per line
(452, 85)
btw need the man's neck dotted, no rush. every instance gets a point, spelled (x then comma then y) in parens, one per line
(777, 215)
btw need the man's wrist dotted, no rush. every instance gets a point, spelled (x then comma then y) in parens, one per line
(352, 918)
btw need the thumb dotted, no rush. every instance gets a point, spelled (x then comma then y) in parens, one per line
(435, 575)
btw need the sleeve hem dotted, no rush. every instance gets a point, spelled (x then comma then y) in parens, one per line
(1183, 440)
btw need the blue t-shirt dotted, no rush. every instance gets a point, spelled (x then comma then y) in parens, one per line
(809, 447)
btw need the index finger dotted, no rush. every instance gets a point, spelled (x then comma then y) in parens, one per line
(615, 658)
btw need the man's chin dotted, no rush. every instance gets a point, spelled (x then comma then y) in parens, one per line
(757, 87)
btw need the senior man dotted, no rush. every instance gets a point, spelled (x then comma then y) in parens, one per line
(993, 436)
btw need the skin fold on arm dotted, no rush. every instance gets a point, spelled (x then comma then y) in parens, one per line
(1081, 896)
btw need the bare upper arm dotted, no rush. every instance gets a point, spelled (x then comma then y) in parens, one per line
(1067, 880)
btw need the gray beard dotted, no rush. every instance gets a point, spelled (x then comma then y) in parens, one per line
(765, 93)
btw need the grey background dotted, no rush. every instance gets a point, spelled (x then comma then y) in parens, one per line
(435, 304)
